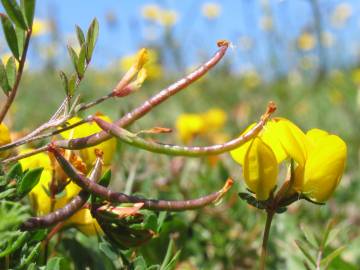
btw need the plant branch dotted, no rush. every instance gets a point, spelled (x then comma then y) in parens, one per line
(193, 151)
(15, 88)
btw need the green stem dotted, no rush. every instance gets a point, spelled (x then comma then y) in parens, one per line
(269, 218)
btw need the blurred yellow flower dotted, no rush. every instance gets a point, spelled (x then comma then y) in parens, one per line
(306, 41)
(152, 65)
(211, 10)
(88, 154)
(151, 12)
(5, 138)
(40, 27)
(191, 125)
(355, 75)
(319, 156)
(341, 14)
(168, 18)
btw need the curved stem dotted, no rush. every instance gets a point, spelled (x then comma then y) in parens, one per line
(269, 218)
(15, 88)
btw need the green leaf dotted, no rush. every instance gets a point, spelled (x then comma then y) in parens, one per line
(14, 12)
(91, 38)
(4, 83)
(80, 67)
(139, 263)
(105, 179)
(11, 71)
(304, 250)
(29, 10)
(72, 84)
(55, 263)
(108, 251)
(35, 251)
(15, 173)
(328, 259)
(171, 265)
(29, 180)
(328, 229)
(20, 35)
(7, 193)
(80, 35)
(65, 82)
(168, 254)
(160, 220)
(150, 222)
(10, 35)
(74, 57)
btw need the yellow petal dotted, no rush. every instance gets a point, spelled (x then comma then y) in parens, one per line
(189, 125)
(292, 139)
(239, 153)
(4, 139)
(260, 169)
(324, 168)
(84, 222)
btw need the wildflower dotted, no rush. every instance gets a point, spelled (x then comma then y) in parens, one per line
(40, 195)
(151, 12)
(152, 65)
(211, 10)
(168, 18)
(306, 41)
(327, 39)
(40, 27)
(341, 15)
(88, 154)
(191, 125)
(319, 156)
(4, 138)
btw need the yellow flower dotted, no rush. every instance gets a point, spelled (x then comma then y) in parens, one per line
(189, 126)
(152, 65)
(151, 12)
(341, 15)
(211, 10)
(306, 41)
(324, 166)
(319, 156)
(88, 154)
(4, 139)
(260, 169)
(168, 18)
(40, 27)
(42, 203)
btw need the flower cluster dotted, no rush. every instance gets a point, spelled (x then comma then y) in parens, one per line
(319, 160)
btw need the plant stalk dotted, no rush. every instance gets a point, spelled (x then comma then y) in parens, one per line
(264, 251)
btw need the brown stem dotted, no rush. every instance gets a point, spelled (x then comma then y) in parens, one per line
(269, 217)
(15, 88)
(111, 196)
(148, 105)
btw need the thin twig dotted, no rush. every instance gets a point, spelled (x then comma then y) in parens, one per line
(111, 196)
(15, 88)
(176, 150)
(148, 105)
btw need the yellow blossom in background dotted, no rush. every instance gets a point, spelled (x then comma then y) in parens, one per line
(211, 10)
(341, 14)
(151, 12)
(153, 68)
(189, 126)
(88, 154)
(319, 156)
(355, 75)
(5, 138)
(40, 27)
(209, 123)
(168, 18)
(306, 41)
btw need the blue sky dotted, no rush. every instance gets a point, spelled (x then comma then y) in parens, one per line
(197, 36)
